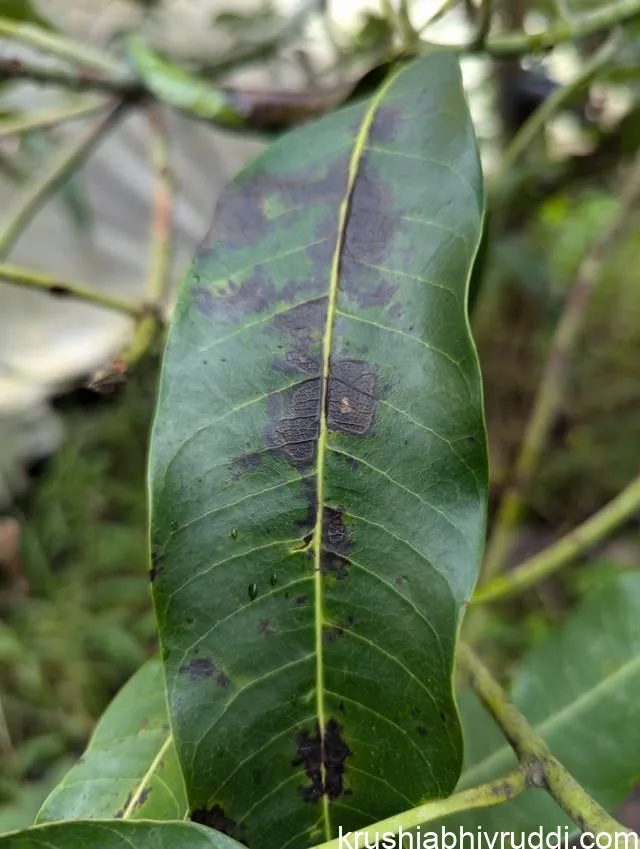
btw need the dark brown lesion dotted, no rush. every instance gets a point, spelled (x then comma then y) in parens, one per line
(331, 632)
(351, 402)
(243, 464)
(315, 752)
(335, 535)
(294, 423)
(237, 301)
(216, 818)
(336, 542)
(334, 565)
(372, 223)
(203, 667)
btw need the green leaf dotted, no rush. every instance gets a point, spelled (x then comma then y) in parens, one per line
(318, 471)
(118, 835)
(130, 769)
(580, 690)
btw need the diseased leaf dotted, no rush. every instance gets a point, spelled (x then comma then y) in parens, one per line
(118, 835)
(579, 689)
(130, 769)
(318, 472)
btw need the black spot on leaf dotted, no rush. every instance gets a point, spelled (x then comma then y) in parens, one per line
(330, 633)
(202, 667)
(121, 812)
(335, 536)
(215, 818)
(336, 752)
(314, 752)
(263, 628)
(243, 464)
(142, 798)
(294, 422)
(371, 226)
(198, 667)
(334, 565)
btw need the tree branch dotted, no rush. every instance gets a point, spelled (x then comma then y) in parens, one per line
(553, 381)
(541, 768)
(161, 229)
(519, 44)
(151, 314)
(552, 104)
(125, 87)
(567, 549)
(493, 793)
(50, 118)
(483, 25)
(62, 288)
(59, 45)
(38, 192)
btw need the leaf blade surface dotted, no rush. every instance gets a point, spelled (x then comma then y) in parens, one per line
(318, 471)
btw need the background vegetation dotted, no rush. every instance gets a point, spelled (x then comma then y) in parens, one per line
(75, 614)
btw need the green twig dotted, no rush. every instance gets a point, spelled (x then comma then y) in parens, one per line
(123, 85)
(62, 288)
(540, 766)
(444, 9)
(408, 32)
(519, 44)
(161, 230)
(57, 172)
(50, 118)
(493, 793)
(566, 550)
(552, 104)
(548, 399)
(483, 25)
(150, 316)
(58, 45)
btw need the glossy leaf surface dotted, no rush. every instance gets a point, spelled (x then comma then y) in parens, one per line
(130, 769)
(318, 471)
(579, 689)
(118, 835)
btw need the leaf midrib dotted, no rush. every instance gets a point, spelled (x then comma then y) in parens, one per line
(327, 347)
(146, 778)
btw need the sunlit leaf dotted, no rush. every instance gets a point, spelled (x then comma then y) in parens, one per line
(318, 471)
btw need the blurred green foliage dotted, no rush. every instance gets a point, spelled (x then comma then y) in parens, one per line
(86, 623)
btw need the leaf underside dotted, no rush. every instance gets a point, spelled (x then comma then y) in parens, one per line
(318, 472)
(130, 768)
